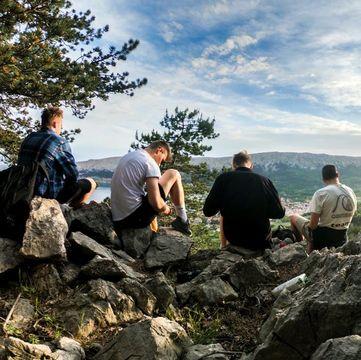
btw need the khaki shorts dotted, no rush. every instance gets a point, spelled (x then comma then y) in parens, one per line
(301, 224)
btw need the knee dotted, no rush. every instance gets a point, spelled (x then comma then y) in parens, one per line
(93, 184)
(293, 218)
(174, 174)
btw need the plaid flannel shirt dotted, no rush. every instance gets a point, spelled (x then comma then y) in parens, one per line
(54, 151)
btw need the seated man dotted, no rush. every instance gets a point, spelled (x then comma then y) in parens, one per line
(246, 201)
(332, 209)
(132, 205)
(48, 147)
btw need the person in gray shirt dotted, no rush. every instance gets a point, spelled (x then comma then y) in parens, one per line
(139, 190)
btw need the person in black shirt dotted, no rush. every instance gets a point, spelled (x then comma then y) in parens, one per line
(246, 201)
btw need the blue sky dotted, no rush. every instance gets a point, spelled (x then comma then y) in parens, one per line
(276, 75)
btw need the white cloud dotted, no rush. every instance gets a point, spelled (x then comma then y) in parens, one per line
(169, 31)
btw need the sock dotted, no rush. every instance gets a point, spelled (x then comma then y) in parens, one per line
(181, 212)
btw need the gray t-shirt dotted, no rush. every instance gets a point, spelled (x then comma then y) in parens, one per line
(128, 182)
(336, 205)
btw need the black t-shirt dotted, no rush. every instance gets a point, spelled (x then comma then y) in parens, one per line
(246, 201)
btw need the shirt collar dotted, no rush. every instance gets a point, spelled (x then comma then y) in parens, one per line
(243, 168)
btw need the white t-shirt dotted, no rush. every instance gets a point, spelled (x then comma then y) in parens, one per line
(336, 205)
(128, 182)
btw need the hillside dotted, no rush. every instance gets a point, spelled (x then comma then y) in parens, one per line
(296, 175)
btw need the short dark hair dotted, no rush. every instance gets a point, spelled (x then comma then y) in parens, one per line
(241, 159)
(48, 114)
(153, 146)
(329, 172)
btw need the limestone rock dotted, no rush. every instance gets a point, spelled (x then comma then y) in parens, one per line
(250, 273)
(93, 220)
(46, 280)
(214, 291)
(290, 254)
(352, 247)
(18, 349)
(153, 339)
(167, 247)
(143, 298)
(69, 273)
(160, 286)
(9, 255)
(98, 305)
(328, 307)
(23, 315)
(346, 348)
(136, 241)
(45, 231)
(69, 349)
(205, 352)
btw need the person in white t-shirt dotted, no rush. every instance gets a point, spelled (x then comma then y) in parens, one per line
(332, 209)
(139, 190)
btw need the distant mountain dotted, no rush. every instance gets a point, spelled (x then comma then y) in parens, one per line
(296, 175)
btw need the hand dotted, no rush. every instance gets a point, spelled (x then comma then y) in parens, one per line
(167, 211)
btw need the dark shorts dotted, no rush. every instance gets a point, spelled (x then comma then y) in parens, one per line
(141, 217)
(326, 237)
(73, 192)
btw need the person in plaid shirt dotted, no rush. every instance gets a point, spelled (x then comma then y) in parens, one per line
(48, 147)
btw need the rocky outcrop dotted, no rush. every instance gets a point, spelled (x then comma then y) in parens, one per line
(45, 231)
(166, 248)
(136, 241)
(9, 255)
(152, 339)
(290, 254)
(205, 352)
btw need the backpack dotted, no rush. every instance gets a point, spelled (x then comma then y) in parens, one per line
(283, 233)
(17, 188)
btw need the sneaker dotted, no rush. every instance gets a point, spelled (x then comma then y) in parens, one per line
(181, 226)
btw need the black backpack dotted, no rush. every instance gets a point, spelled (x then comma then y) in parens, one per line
(283, 233)
(17, 187)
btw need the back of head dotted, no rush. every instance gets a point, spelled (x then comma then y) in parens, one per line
(241, 159)
(48, 115)
(153, 146)
(329, 172)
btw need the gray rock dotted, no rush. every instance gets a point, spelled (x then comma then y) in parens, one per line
(328, 307)
(69, 349)
(143, 298)
(93, 220)
(89, 248)
(352, 247)
(205, 352)
(99, 305)
(46, 280)
(9, 255)
(167, 247)
(160, 286)
(45, 231)
(18, 349)
(346, 348)
(290, 254)
(69, 273)
(214, 291)
(136, 241)
(250, 273)
(23, 315)
(153, 339)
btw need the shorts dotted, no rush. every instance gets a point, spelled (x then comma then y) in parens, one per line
(141, 217)
(75, 191)
(302, 226)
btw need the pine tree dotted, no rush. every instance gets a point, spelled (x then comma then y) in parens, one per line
(46, 57)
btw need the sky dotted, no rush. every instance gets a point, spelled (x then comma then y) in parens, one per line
(276, 75)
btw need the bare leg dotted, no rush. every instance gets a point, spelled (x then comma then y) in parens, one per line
(224, 241)
(299, 236)
(86, 197)
(171, 183)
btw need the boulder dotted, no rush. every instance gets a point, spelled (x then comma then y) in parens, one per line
(328, 307)
(95, 221)
(136, 241)
(247, 274)
(160, 286)
(143, 298)
(98, 305)
(167, 247)
(214, 291)
(19, 349)
(290, 254)
(205, 352)
(23, 315)
(346, 348)
(152, 339)
(9, 255)
(46, 280)
(352, 247)
(45, 230)
(69, 349)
